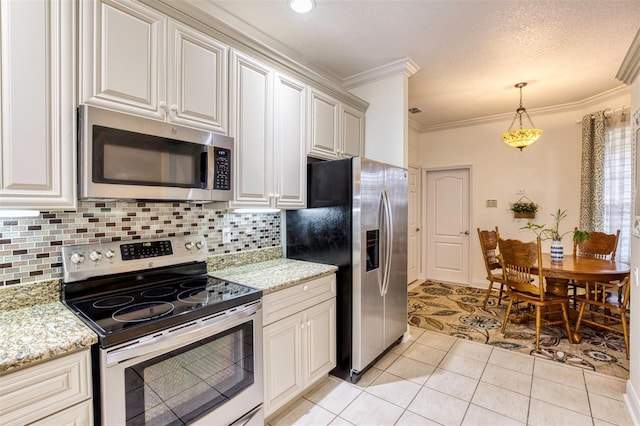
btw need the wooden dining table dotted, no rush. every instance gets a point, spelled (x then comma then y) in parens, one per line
(579, 268)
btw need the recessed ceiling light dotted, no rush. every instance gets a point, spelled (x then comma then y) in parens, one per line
(302, 6)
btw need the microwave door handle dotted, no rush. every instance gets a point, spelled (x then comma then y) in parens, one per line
(208, 159)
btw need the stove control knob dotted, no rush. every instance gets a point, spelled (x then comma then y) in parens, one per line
(199, 245)
(109, 254)
(95, 255)
(77, 258)
(188, 245)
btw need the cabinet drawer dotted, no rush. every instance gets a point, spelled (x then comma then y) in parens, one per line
(36, 392)
(289, 301)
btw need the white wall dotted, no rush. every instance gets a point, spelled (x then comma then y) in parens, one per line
(386, 119)
(548, 171)
(413, 148)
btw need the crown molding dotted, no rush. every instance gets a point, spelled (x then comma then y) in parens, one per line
(216, 22)
(630, 67)
(404, 66)
(584, 103)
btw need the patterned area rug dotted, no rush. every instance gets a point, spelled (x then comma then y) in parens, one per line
(457, 311)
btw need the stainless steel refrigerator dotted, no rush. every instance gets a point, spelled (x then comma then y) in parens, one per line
(356, 219)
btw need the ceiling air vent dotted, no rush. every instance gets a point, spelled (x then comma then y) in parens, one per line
(414, 110)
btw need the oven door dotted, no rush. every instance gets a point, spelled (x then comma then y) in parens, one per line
(205, 372)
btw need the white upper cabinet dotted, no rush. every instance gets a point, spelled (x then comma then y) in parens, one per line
(37, 110)
(324, 125)
(268, 123)
(352, 132)
(290, 168)
(336, 130)
(251, 118)
(134, 59)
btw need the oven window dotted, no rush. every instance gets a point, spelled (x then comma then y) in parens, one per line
(129, 158)
(180, 386)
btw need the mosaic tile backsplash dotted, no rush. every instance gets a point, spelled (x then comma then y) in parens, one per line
(30, 247)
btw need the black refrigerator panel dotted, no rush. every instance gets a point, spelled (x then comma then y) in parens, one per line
(329, 184)
(320, 235)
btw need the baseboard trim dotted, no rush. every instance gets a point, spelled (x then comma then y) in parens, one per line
(632, 402)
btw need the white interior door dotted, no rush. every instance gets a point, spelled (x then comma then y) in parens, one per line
(447, 219)
(413, 231)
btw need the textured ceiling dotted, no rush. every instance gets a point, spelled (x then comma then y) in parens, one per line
(470, 53)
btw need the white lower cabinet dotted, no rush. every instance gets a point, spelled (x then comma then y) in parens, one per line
(299, 339)
(53, 392)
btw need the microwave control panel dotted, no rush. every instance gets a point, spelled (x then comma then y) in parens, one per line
(222, 169)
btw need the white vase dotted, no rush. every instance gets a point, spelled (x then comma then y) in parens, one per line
(557, 251)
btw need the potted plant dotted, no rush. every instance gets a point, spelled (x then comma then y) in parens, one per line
(553, 233)
(523, 209)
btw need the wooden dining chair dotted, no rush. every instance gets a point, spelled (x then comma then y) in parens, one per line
(603, 311)
(489, 248)
(599, 245)
(518, 259)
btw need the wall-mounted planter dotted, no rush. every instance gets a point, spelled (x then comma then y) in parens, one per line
(524, 215)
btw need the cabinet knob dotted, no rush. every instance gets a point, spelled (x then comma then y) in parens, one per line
(305, 288)
(174, 108)
(302, 326)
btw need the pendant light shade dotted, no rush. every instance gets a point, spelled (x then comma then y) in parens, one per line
(521, 138)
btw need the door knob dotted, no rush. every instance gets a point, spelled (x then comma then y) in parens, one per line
(417, 229)
(465, 233)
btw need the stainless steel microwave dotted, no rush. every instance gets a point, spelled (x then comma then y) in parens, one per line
(123, 156)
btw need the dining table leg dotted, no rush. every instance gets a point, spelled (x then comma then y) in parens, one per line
(560, 287)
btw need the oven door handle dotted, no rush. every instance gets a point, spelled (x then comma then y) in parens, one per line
(182, 335)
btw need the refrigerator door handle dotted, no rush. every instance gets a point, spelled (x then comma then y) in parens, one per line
(388, 233)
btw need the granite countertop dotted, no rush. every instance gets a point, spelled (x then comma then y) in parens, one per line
(274, 275)
(40, 332)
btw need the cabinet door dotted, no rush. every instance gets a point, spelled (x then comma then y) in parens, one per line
(283, 377)
(321, 340)
(197, 79)
(252, 122)
(37, 109)
(352, 132)
(324, 135)
(122, 56)
(290, 165)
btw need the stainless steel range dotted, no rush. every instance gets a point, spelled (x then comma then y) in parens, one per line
(176, 346)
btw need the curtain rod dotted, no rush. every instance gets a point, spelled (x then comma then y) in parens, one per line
(607, 113)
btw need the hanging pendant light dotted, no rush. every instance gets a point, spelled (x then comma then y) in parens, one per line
(521, 138)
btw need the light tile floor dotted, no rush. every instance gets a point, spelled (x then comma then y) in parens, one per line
(433, 379)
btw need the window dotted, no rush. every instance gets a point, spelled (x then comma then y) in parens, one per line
(618, 181)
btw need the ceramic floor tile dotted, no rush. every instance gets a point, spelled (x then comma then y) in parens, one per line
(386, 360)
(562, 395)
(394, 389)
(473, 350)
(598, 422)
(544, 414)
(412, 419)
(501, 401)
(415, 332)
(609, 410)
(600, 384)
(402, 347)
(557, 372)
(436, 340)
(367, 378)
(508, 379)
(512, 360)
(334, 395)
(304, 413)
(439, 407)
(339, 421)
(410, 369)
(462, 365)
(479, 416)
(426, 354)
(369, 410)
(452, 384)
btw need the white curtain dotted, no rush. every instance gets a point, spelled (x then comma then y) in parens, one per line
(618, 180)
